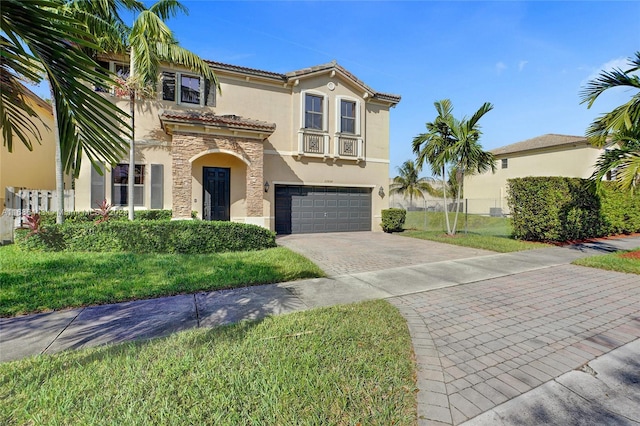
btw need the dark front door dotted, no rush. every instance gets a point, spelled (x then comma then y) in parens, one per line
(216, 204)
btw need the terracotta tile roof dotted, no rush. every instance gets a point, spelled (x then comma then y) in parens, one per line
(231, 121)
(541, 142)
(303, 72)
(246, 70)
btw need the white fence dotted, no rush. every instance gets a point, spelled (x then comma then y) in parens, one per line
(20, 202)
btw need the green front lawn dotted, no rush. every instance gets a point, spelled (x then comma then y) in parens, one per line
(485, 242)
(43, 281)
(613, 262)
(344, 365)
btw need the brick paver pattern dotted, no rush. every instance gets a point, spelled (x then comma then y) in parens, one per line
(481, 344)
(342, 253)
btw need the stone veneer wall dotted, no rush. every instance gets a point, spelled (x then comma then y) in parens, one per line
(187, 145)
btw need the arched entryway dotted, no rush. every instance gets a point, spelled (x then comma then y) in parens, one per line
(202, 146)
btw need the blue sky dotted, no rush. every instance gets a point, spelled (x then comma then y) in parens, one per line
(529, 59)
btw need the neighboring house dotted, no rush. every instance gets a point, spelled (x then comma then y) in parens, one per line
(35, 169)
(305, 151)
(547, 155)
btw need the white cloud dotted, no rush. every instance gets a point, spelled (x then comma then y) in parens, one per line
(522, 64)
(619, 63)
(500, 66)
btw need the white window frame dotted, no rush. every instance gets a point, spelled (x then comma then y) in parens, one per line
(325, 109)
(357, 129)
(136, 185)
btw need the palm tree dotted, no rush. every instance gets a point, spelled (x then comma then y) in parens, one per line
(150, 43)
(619, 129)
(467, 153)
(108, 31)
(621, 161)
(434, 147)
(39, 41)
(408, 183)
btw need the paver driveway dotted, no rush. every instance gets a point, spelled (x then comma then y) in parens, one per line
(481, 344)
(342, 253)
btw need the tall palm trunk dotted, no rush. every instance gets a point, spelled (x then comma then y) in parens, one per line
(132, 154)
(458, 197)
(59, 168)
(444, 196)
(132, 145)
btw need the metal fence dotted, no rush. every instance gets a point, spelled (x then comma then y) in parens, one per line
(20, 202)
(480, 216)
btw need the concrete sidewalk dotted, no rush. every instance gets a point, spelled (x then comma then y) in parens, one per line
(96, 325)
(496, 338)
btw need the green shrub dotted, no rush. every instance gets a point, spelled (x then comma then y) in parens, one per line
(621, 210)
(393, 220)
(150, 236)
(564, 209)
(90, 216)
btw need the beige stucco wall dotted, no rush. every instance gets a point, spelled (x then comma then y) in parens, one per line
(490, 190)
(35, 169)
(272, 102)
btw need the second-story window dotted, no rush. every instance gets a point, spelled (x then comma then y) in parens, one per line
(189, 90)
(347, 117)
(313, 112)
(121, 70)
(505, 163)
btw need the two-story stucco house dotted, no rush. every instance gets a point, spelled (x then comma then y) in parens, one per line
(305, 151)
(546, 155)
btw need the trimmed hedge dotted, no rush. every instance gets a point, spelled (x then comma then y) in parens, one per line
(159, 236)
(90, 216)
(393, 220)
(621, 210)
(564, 209)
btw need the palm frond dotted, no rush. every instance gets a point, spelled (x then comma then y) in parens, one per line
(85, 118)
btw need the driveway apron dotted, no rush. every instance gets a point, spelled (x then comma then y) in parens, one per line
(341, 253)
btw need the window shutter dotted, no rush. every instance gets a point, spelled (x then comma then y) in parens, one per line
(97, 187)
(168, 86)
(157, 186)
(209, 93)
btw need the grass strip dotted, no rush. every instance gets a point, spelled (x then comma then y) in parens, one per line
(619, 262)
(42, 281)
(342, 365)
(485, 242)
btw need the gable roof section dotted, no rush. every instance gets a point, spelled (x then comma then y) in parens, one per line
(548, 141)
(305, 72)
(334, 66)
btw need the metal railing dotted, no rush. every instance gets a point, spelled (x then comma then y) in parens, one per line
(347, 146)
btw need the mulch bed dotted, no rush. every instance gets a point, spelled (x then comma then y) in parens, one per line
(631, 255)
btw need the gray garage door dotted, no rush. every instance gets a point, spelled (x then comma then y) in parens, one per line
(306, 209)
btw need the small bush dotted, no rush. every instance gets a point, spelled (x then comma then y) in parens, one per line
(393, 220)
(151, 236)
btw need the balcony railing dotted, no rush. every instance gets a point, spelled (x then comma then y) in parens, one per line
(313, 143)
(317, 144)
(349, 147)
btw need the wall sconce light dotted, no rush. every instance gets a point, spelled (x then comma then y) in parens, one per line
(266, 186)
(381, 191)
